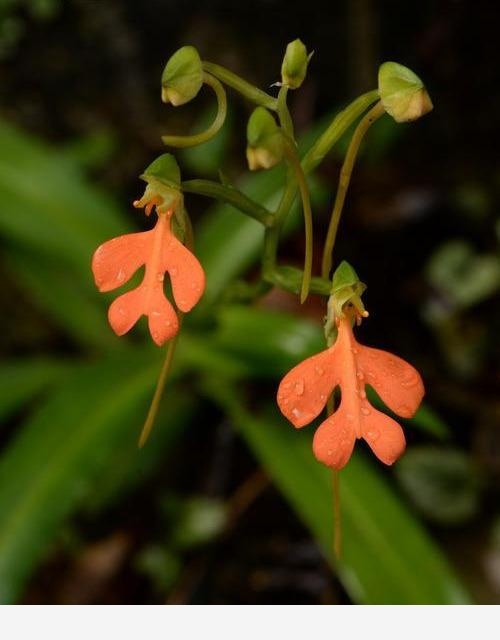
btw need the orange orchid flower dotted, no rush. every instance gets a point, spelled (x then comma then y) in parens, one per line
(304, 391)
(116, 261)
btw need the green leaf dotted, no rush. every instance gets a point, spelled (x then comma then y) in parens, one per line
(75, 307)
(52, 221)
(22, 380)
(387, 556)
(47, 205)
(59, 454)
(443, 483)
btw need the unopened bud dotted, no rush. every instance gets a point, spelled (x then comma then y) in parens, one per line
(182, 77)
(265, 142)
(294, 66)
(402, 92)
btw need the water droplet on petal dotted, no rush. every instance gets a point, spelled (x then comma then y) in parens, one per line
(319, 370)
(296, 413)
(360, 375)
(350, 417)
(365, 411)
(404, 410)
(173, 271)
(362, 394)
(299, 387)
(160, 277)
(329, 452)
(373, 435)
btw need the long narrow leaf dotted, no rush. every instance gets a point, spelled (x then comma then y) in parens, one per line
(387, 556)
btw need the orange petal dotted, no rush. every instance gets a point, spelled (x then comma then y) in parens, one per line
(116, 261)
(303, 392)
(126, 310)
(334, 440)
(186, 273)
(385, 436)
(162, 319)
(397, 382)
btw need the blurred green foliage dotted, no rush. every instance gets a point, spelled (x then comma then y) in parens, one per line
(75, 450)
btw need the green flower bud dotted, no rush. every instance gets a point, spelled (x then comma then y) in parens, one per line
(163, 179)
(294, 66)
(347, 288)
(182, 77)
(402, 92)
(265, 142)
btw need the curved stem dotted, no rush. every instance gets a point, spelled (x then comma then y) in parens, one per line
(241, 86)
(292, 157)
(284, 113)
(345, 176)
(336, 129)
(160, 386)
(310, 161)
(204, 136)
(230, 195)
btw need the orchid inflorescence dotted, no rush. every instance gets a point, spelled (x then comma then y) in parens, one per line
(168, 249)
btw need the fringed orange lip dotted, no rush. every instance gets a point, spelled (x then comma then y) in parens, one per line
(116, 261)
(304, 391)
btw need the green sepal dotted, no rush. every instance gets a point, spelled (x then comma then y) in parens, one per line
(347, 288)
(294, 66)
(265, 142)
(163, 179)
(182, 77)
(402, 92)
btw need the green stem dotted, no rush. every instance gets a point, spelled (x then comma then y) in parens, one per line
(336, 129)
(241, 86)
(160, 387)
(230, 195)
(345, 177)
(290, 279)
(293, 159)
(310, 161)
(284, 113)
(204, 136)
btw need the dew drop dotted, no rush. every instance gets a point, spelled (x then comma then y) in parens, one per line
(322, 397)
(362, 394)
(365, 411)
(403, 410)
(299, 387)
(296, 413)
(319, 370)
(120, 276)
(355, 351)
(156, 314)
(160, 277)
(329, 452)
(373, 435)
(360, 375)
(173, 271)
(409, 382)
(350, 417)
